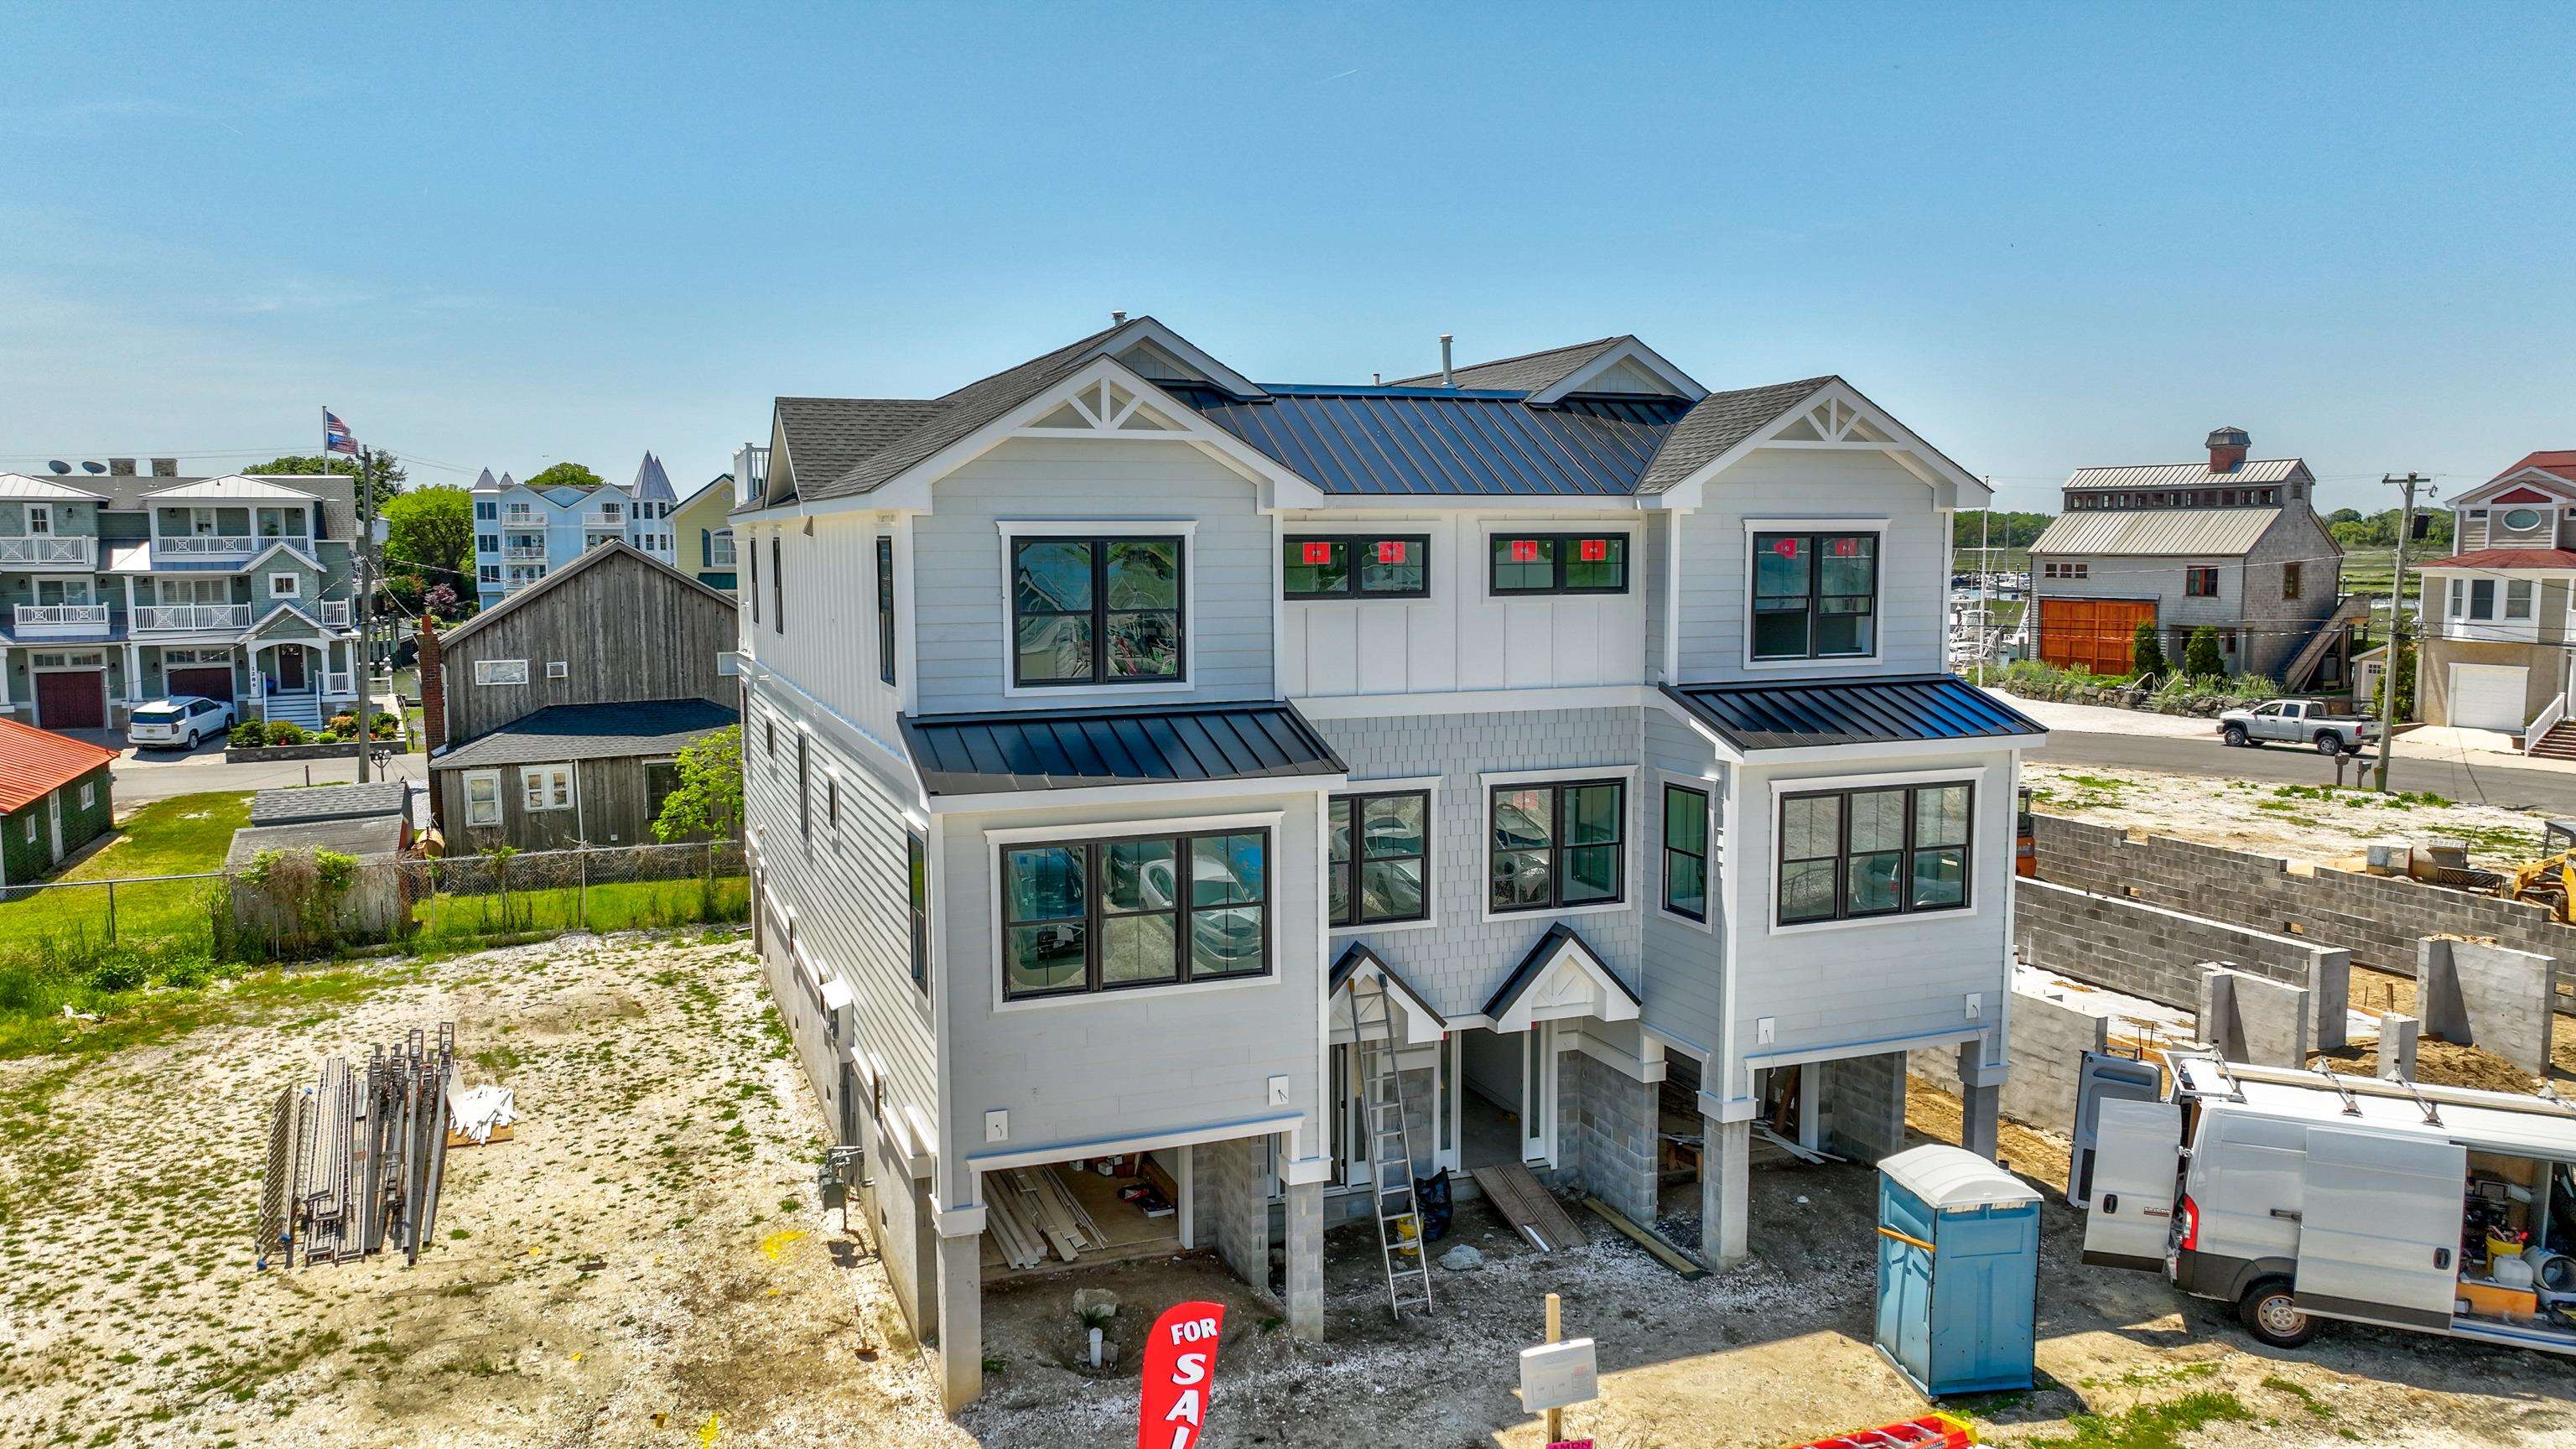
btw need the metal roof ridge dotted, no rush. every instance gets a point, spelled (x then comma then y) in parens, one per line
(1106, 711)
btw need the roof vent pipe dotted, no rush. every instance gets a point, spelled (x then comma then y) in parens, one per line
(1448, 377)
(1117, 319)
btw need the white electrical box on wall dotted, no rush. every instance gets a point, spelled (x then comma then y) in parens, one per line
(1976, 1005)
(1764, 1029)
(997, 1126)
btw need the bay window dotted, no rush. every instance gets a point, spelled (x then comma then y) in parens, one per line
(1557, 845)
(1095, 611)
(1380, 858)
(1108, 915)
(1853, 854)
(1815, 595)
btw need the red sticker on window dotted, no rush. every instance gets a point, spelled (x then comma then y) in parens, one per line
(1785, 547)
(1525, 550)
(1392, 551)
(1319, 553)
(1846, 547)
(1594, 550)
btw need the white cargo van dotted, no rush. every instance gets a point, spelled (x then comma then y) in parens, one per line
(2299, 1195)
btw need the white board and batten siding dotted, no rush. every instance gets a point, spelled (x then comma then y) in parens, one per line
(1464, 637)
(1813, 487)
(960, 569)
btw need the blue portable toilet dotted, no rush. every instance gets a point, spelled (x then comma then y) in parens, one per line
(1958, 1271)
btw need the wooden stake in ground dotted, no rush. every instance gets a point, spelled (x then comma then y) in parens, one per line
(1555, 1334)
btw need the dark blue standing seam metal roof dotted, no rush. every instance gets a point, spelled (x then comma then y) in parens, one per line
(1436, 441)
(1810, 712)
(1007, 750)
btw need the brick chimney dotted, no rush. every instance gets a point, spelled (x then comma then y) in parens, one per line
(433, 690)
(2227, 448)
(165, 467)
(120, 467)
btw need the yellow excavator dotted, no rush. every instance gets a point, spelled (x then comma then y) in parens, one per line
(2550, 880)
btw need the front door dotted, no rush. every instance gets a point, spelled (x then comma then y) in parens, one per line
(290, 671)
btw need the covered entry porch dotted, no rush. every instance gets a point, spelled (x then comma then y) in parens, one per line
(298, 672)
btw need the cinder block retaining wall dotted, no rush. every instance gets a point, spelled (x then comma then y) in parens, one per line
(2147, 950)
(2045, 1044)
(2378, 919)
(2486, 996)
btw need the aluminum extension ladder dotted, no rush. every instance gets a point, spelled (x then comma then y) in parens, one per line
(1390, 1150)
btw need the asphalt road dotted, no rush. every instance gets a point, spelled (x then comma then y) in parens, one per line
(160, 776)
(2523, 789)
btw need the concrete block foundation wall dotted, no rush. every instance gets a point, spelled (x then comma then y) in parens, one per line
(2157, 952)
(2249, 1019)
(1864, 1105)
(1606, 1133)
(2045, 1044)
(2378, 919)
(2491, 997)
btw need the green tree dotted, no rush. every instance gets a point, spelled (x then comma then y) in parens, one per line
(2404, 673)
(708, 799)
(2200, 657)
(2004, 530)
(432, 530)
(388, 472)
(563, 475)
(2147, 651)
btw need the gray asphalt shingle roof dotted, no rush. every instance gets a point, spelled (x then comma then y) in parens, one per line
(331, 802)
(828, 436)
(1718, 422)
(1526, 373)
(979, 754)
(371, 838)
(590, 732)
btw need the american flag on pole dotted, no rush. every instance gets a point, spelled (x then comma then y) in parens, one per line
(335, 435)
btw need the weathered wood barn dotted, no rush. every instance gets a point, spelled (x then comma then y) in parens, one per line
(553, 718)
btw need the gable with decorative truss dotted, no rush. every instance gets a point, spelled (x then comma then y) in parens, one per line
(1833, 421)
(1559, 980)
(1105, 406)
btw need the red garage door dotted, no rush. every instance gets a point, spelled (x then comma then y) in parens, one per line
(72, 700)
(213, 681)
(2095, 634)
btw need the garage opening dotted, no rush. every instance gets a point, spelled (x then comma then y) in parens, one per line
(1089, 1210)
(71, 699)
(2099, 635)
(2488, 696)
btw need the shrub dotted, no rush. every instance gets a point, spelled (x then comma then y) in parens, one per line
(286, 732)
(2200, 657)
(250, 734)
(2404, 670)
(2147, 653)
(385, 726)
(341, 726)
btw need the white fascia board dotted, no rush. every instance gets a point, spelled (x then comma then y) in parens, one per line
(1291, 1123)
(1630, 350)
(1146, 329)
(1085, 796)
(2542, 479)
(1909, 451)
(1898, 750)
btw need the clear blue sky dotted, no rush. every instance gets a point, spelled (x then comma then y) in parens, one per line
(2045, 237)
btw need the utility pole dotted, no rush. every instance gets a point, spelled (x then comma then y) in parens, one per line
(1987, 639)
(2396, 626)
(365, 606)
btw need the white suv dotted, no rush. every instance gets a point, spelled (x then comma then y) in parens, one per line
(181, 720)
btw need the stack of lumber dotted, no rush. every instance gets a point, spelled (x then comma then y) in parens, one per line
(1030, 1212)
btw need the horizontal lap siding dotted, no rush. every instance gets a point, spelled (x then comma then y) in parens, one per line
(1913, 584)
(958, 563)
(829, 645)
(1128, 1063)
(1460, 962)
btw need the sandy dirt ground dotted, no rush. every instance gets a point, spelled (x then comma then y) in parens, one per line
(646, 1265)
(2302, 822)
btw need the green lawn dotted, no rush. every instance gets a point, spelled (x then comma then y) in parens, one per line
(622, 906)
(185, 835)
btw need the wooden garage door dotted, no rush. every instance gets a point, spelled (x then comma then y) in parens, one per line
(72, 700)
(214, 681)
(2094, 634)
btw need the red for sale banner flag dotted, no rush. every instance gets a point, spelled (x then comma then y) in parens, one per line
(1180, 1361)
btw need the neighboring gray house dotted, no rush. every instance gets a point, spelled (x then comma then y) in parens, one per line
(553, 718)
(1111, 719)
(2233, 544)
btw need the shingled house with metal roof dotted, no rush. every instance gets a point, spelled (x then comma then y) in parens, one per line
(2233, 545)
(554, 718)
(1117, 726)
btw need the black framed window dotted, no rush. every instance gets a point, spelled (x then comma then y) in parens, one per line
(804, 791)
(1356, 566)
(1850, 854)
(1559, 563)
(831, 801)
(1096, 611)
(1815, 595)
(1557, 845)
(1381, 858)
(917, 868)
(2199, 581)
(1686, 851)
(1111, 915)
(777, 591)
(751, 559)
(885, 608)
(661, 777)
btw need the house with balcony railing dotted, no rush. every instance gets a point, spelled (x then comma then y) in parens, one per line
(125, 587)
(520, 533)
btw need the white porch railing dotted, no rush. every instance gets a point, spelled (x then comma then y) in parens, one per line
(335, 612)
(84, 618)
(205, 545)
(603, 518)
(521, 516)
(750, 471)
(191, 616)
(525, 553)
(46, 548)
(342, 685)
(2538, 730)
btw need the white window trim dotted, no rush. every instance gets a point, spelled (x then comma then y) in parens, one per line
(1429, 785)
(40, 520)
(1186, 529)
(1878, 620)
(546, 773)
(996, 840)
(88, 793)
(1977, 846)
(1714, 787)
(492, 777)
(1489, 529)
(1485, 783)
(294, 586)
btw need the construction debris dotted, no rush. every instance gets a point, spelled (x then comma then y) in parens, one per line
(1528, 1207)
(1030, 1211)
(356, 1159)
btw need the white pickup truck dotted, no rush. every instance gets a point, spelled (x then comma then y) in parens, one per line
(2298, 722)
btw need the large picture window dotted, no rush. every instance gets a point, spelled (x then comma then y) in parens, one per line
(1815, 595)
(1106, 915)
(1686, 851)
(1096, 611)
(1559, 845)
(1356, 566)
(1559, 563)
(1848, 854)
(1381, 858)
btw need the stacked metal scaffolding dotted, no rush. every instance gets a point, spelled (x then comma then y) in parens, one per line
(355, 1160)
